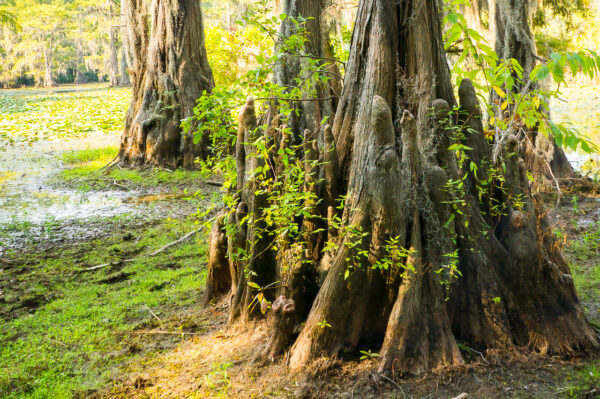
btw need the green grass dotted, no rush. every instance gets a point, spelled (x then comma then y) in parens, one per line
(585, 383)
(97, 156)
(91, 173)
(28, 116)
(68, 344)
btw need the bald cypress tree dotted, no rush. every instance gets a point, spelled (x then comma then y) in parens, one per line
(413, 216)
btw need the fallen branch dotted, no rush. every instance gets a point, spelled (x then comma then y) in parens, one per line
(178, 241)
(151, 332)
(213, 183)
(115, 263)
(395, 383)
(120, 185)
(58, 342)
(153, 314)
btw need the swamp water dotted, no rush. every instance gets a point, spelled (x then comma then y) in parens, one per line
(36, 127)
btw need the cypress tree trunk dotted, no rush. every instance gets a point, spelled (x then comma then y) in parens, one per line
(414, 215)
(48, 51)
(514, 39)
(302, 127)
(292, 69)
(125, 47)
(167, 81)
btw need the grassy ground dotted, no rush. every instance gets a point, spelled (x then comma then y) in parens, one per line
(68, 332)
(86, 169)
(65, 331)
(61, 324)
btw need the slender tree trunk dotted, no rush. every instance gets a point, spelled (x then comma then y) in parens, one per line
(125, 47)
(124, 76)
(80, 69)
(406, 225)
(166, 84)
(113, 59)
(48, 51)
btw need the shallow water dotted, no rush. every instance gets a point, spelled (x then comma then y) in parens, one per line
(581, 109)
(25, 196)
(29, 206)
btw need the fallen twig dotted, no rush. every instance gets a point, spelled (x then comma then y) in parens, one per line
(121, 185)
(180, 240)
(153, 314)
(213, 183)
(151, 332)
(58, 342)
(169, 245)
(395, 383)
(115, 263)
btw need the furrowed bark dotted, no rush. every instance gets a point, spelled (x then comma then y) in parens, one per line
(218, 275)
(525, 296)
(341, 308)
(167, 84)
(415, 216)
(514, 39)
(414, 343)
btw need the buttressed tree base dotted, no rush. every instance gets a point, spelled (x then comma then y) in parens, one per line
(413, 217)
(167, 80)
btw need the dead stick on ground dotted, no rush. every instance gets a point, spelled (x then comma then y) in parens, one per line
(182, 239)
(178, 241)
(150, 332)
(153, 314)
(58, 342)
(393, 382)
(116, 263)
(121, 185)
(213, 183)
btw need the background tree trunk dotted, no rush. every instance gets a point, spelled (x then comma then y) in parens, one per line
(514, 39)
(48, 51)
(124, 76)
(113, 61)
(126, 47)
(80, 69)
(292, 68)
(166, 84)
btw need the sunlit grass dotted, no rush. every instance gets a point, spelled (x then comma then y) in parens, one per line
(69, 344)
(96, 156)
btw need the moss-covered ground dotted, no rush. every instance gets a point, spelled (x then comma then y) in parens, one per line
(65, 330)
